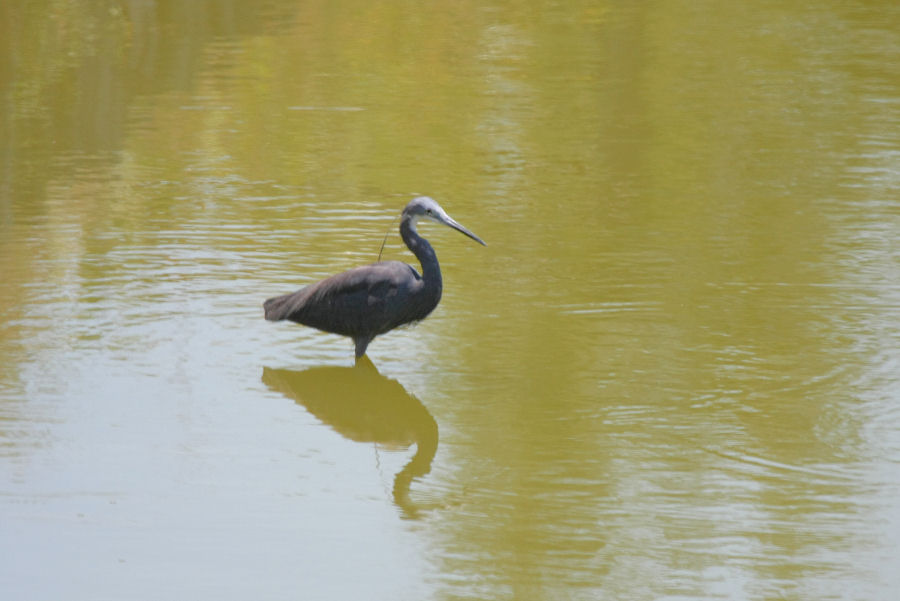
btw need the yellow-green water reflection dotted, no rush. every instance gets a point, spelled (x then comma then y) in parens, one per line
(671, 374)
(364, 406)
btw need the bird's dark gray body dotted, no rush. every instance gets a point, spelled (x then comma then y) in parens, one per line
(365, 302)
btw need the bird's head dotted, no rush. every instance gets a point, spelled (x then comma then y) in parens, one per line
(423, 207)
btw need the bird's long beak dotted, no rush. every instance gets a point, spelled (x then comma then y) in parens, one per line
(448, 220)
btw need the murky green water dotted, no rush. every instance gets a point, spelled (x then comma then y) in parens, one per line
(674, 373)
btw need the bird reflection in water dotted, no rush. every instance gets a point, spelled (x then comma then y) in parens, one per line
(364, 406)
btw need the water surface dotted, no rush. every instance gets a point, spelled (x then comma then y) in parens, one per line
(671, 374)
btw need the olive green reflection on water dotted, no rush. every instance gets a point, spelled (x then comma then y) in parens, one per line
(673, 373)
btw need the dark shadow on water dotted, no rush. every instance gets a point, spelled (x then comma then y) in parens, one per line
(364, 406)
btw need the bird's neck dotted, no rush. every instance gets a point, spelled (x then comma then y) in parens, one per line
(431, 270)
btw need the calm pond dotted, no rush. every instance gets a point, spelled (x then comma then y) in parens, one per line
(673, 373)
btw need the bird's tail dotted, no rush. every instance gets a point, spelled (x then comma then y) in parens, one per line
(278, 307)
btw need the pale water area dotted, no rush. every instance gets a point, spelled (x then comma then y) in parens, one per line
(672, 374)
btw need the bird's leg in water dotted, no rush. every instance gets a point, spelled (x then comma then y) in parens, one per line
(361, 344)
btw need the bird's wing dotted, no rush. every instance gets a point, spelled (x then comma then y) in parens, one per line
(356, 301)
(378, 279)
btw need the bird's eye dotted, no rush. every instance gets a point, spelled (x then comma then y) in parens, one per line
(428, 211)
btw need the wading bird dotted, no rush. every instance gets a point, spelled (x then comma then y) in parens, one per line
(367, 301)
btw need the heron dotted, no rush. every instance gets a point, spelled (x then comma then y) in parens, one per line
(368, 301)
